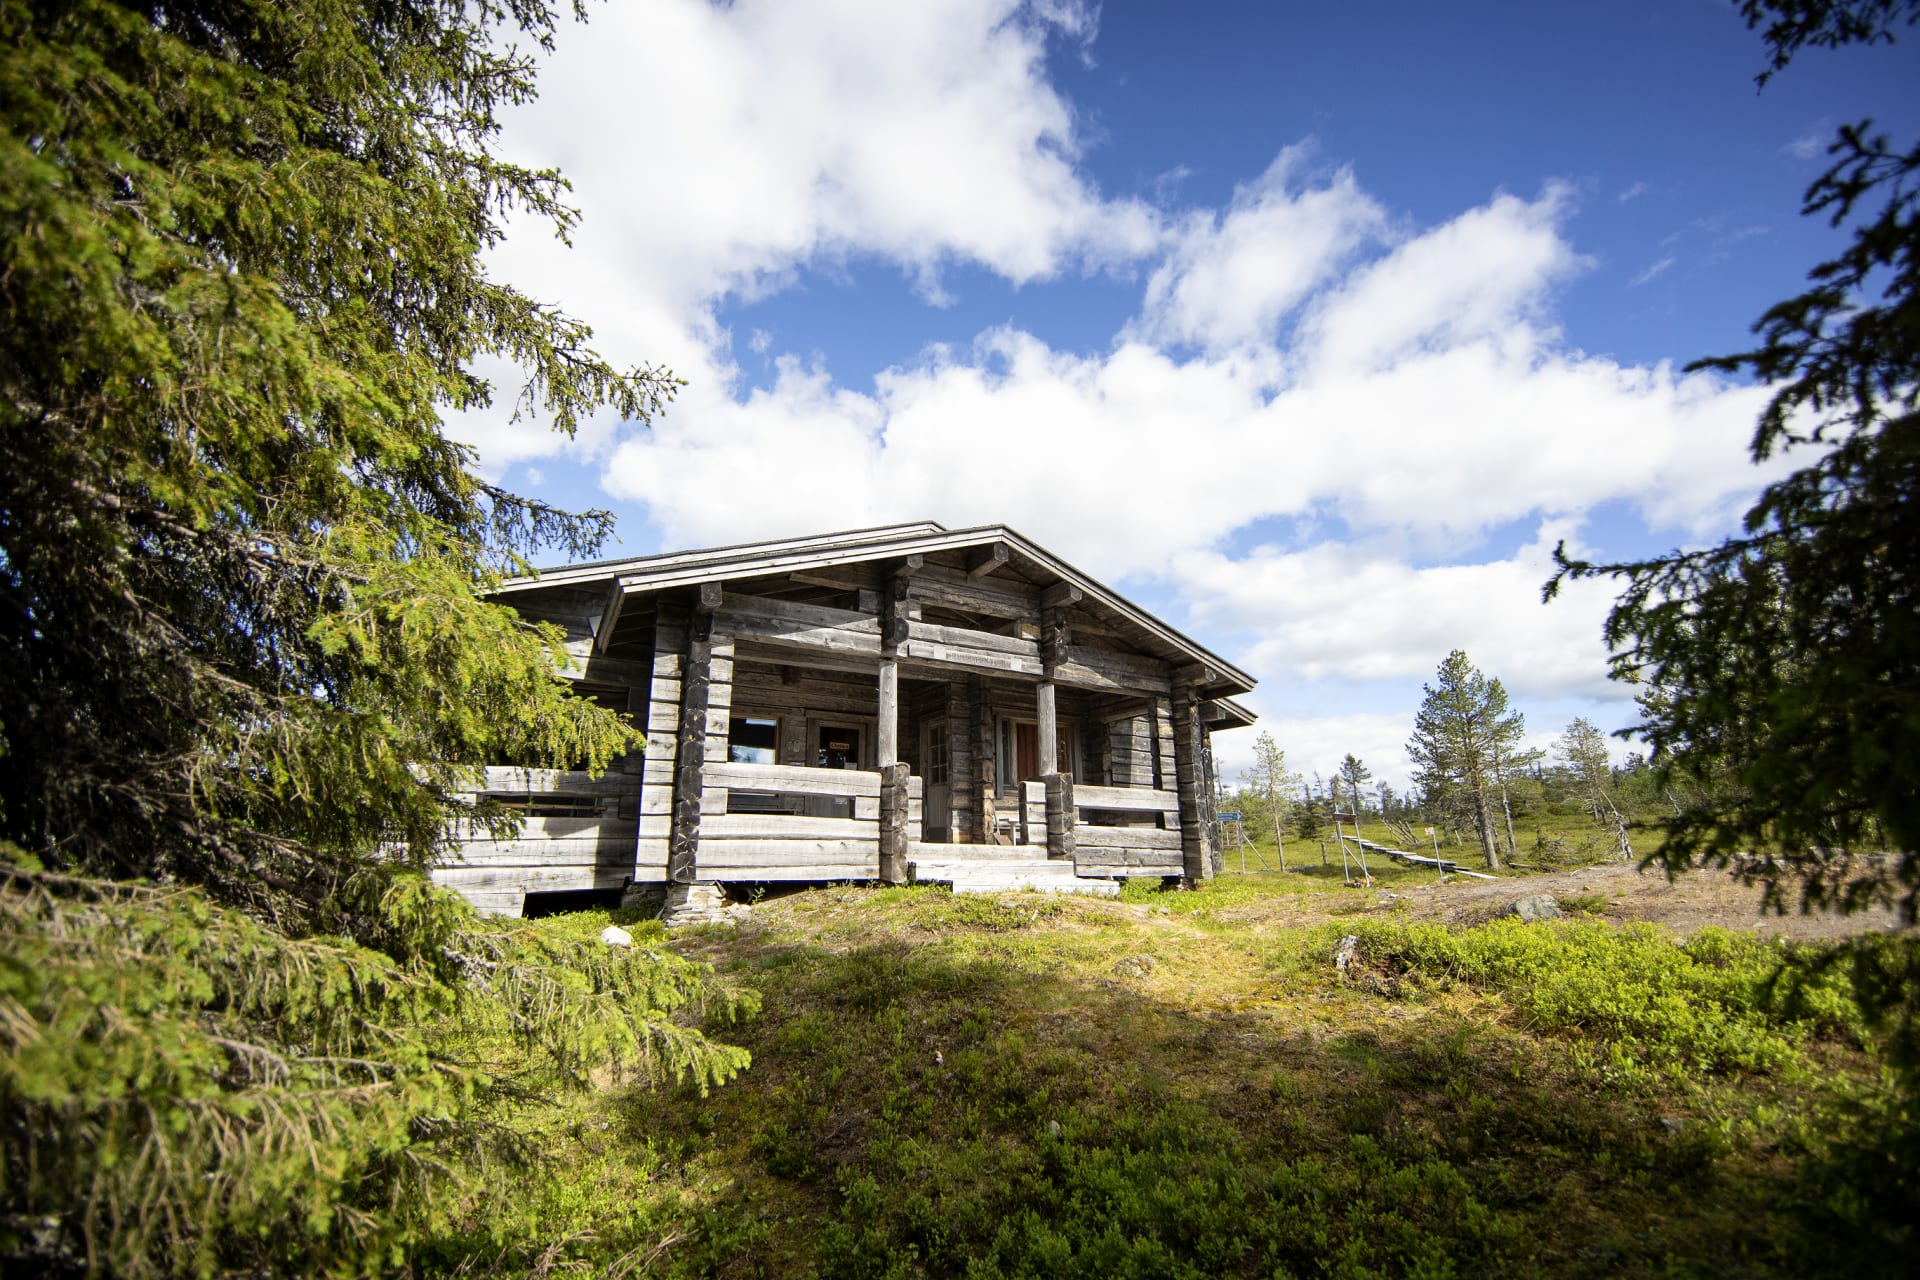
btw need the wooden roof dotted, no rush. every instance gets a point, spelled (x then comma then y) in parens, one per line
(645, 575)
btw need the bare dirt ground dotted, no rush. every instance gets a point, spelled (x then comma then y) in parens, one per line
(1693, 901)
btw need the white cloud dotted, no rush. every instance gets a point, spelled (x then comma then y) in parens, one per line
(1360, 613)
(1652, 271)
(1483, 275)
(1230, 278)
(1809, 145)
(725, 149)
(1633, 192)
(1454, 416)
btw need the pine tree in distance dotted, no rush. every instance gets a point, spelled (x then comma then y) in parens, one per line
(1460, 733)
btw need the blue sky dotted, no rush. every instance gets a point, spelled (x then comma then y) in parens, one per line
(1312, 328)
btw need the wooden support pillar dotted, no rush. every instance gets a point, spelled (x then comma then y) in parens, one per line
(1062, 814)
(1196, 834)
(896, 804)
(985, 760)
(662, 722)
(683, 846)
(887, 734)
(1049, 728)
(962, 815)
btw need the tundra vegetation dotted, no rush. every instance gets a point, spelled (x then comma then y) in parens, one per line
(247, 658)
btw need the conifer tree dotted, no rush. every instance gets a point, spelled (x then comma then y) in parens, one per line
(245, 653)
(1784, 663)
(1273, 783)
(1582, 749)
(240, 639)
(1459, 734)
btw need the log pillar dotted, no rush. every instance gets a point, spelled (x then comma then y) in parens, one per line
(658, 762)
(1049, 729)
(985, 761)
(706, 704)
(683, 846)
(1061, 815)
(895, 812)
(1189, 746)
(887, 731)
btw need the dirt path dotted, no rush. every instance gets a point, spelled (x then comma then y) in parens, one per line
(1693, 901)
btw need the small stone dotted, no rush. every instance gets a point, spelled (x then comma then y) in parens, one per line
(1539, 906)
(614, 936)
(1134, 966)
(939, 1058)
(1349, 951)
(1673, 1124)
(1053, 1128)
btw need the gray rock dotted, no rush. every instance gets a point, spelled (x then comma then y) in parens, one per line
(614, 936)
(1539, 906)
(1134, 966)
(1349, 952)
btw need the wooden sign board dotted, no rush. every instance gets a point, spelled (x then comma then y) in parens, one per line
(1345, 817)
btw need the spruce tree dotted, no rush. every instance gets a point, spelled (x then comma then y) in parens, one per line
(241, 644)
(245, 654)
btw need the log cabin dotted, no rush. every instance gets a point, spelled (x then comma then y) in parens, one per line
(900, 704)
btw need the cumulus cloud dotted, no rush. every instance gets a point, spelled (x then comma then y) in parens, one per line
(1358, 613)
(1230, 277)
(1484, 275)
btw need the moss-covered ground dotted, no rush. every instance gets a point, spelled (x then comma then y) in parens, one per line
(1185, 1084)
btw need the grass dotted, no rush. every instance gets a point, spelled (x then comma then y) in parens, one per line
(1175, 1085)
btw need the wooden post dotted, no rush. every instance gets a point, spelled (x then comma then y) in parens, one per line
(985, 760)
(887, 735)
(895, 810)
(1196, 835)
(1061, 815)
(1049, 729)
(683, 846)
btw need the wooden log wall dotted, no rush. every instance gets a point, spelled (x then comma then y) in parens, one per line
(801, 698)
(1130, 752)
(590, 848)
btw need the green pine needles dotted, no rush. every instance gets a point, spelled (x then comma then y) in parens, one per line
(245, 655)
(186, 1091)
(241, 643)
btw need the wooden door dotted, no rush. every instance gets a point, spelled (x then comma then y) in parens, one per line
(1026, 751)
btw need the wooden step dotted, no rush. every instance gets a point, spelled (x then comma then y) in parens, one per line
(1002, 875)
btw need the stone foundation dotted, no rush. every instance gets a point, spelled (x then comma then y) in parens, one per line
(699, 903)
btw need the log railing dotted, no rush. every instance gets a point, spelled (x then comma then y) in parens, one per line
(1137, 831)
(577, 832)
(792, 822)
(1145, 839)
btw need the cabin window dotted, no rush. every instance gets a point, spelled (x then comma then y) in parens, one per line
(752, 740)
(937, 748)
(839, 747)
